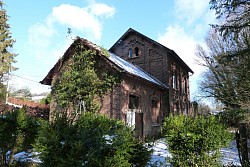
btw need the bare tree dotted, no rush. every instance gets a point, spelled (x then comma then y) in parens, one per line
(227, 69)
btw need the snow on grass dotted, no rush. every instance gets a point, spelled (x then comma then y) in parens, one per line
(230, 155)
(27, 157)
(160, 154)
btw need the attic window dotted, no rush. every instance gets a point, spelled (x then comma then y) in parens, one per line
(130, 52)
(136, 51)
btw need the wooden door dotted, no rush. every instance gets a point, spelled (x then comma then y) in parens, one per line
(139, 124)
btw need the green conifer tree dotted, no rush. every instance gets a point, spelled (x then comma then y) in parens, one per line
(6, 43)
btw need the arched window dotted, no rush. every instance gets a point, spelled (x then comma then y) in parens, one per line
(130, 52)
(136, 51)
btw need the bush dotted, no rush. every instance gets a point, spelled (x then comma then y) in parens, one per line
(17, 133)
(195, 141)
(93, 140)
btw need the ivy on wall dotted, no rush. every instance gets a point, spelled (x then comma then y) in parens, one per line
(84, 78)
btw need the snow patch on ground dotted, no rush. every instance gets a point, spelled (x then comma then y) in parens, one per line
(160, 154)
(27, 157)
(230, 155)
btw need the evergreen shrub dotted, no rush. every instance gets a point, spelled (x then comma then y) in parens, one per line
(195, 141)
(93, 140)
(17, 133)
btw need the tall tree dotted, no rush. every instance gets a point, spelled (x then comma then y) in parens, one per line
(235, 15)
(6, 43)
(228, 69)
(231, 75)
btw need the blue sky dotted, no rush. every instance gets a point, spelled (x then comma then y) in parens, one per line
(40, 30)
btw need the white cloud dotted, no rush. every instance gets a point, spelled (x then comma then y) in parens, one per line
(77, 18)
(101, 9)
(177, 39)
(47, 39)
(191, 10)
(87, 21)
(40, 38)
(192, 19)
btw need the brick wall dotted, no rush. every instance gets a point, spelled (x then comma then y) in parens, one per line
(161, 63)
(117, 101)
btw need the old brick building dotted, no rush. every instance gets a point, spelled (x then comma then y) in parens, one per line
(154, 82)
(159, 62)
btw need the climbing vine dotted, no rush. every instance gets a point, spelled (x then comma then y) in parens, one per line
(84, 79)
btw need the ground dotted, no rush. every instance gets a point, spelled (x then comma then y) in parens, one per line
(160, 155)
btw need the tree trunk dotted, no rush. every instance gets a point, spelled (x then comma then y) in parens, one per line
(3, 158)
(242, 145)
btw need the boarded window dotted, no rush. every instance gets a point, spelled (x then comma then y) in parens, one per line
(133, 102)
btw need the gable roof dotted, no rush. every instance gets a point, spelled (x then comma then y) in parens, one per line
(132, 31)
(120, 64)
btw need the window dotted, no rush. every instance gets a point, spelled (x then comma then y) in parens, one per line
(155, 111)
(175, 80)
(133, 108)
(154, 103)
(185, 85)
(133, 102)
(177, 107)
(130, 52)
(185, 107)
(136, 51)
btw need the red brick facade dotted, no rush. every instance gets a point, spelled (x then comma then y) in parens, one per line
(136, 100)
(161, 63)
(116, 104)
